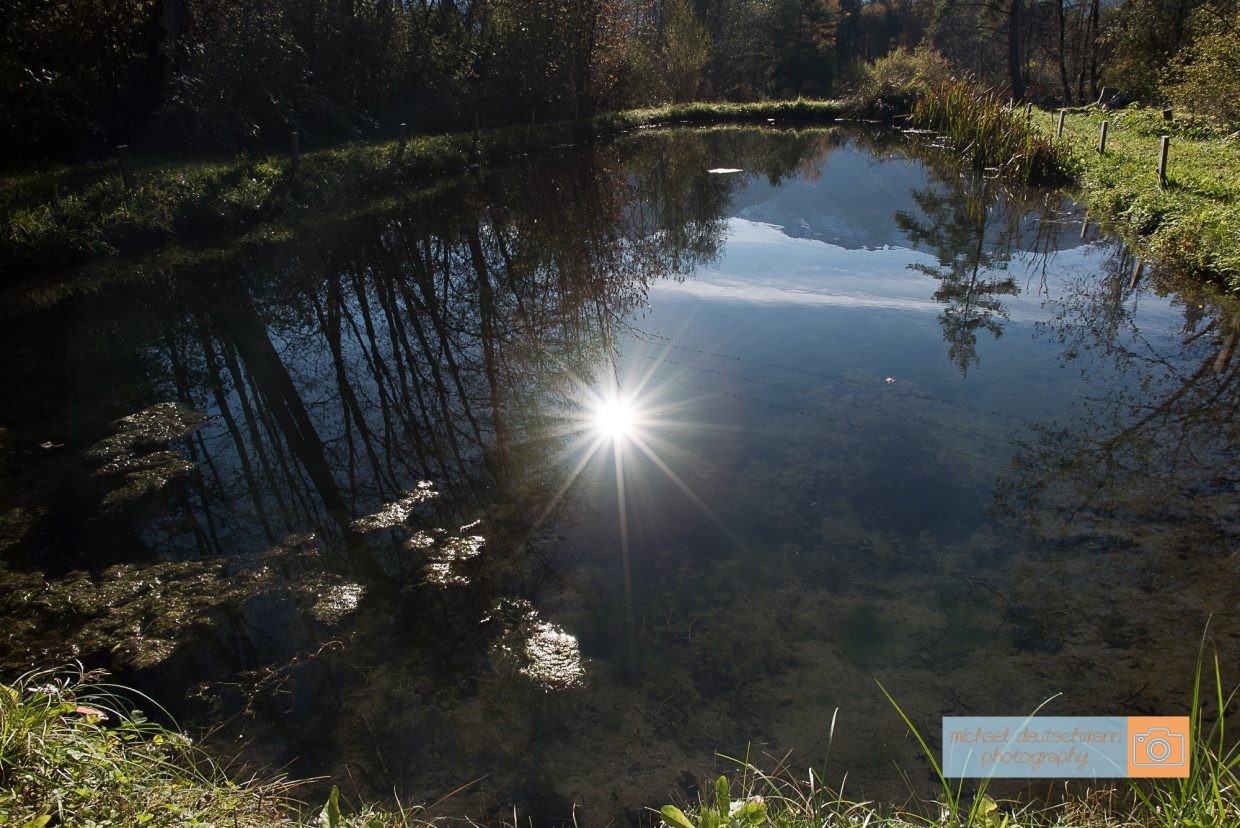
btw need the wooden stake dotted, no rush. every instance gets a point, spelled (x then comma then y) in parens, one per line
(1059, 129)
(122, 155)
(295, 149)
(1136, 274)
(1102, 137)
(1225, 352)
(1085, 227)
(1162, 160)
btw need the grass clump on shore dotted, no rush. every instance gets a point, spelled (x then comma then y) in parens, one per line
(1190, 226)
(72, 754)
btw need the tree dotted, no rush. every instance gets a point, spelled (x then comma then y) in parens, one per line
(686, 50)
(1143, 37)
(962, 28)
(804, 38)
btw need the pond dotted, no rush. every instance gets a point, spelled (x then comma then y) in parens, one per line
(548, 484)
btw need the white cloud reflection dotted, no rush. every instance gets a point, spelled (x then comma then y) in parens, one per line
(761, 264)
(808, 272)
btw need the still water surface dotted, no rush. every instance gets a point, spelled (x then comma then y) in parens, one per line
(565, 476)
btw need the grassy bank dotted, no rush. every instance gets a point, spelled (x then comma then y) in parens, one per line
(1190, 226)
(74, 752)
(56, 216)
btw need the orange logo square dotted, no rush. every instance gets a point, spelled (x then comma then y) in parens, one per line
(1158, 747)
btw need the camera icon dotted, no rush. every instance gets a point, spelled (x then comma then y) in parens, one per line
(1158, 746)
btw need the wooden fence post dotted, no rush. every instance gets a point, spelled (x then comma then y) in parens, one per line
(1102, 137)
(1059, 129)
(1225, 352)
(122, 155)
(295, 149)
(1136, 274)
(1085, 227)
(1162, 160)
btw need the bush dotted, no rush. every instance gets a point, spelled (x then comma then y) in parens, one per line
(902, 75)
(1206, 77)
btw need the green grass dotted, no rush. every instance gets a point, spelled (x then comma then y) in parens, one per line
(1208, 798)
(73, 751)
(1191, 226)
(60, 215)
(72, 754)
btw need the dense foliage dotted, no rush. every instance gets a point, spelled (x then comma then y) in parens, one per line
(79, 76)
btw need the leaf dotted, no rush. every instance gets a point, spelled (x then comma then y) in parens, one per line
(751, 811)
(38, 822)
(330, 817)
(675, 817)
(723, 794)
(988, 811)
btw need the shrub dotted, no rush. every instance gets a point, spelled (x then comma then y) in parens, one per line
(1206, 77)
(902, 74)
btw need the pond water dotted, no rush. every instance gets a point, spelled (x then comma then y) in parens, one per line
(563, 478)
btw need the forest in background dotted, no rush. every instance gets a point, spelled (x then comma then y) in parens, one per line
(80, 76)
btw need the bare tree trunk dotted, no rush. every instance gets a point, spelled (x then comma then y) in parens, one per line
(1063, 65)
(1013, 50)
(1093, 50)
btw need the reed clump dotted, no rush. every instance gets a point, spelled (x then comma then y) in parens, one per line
(985, 128)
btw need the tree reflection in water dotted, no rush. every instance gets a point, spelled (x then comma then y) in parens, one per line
(975, 226)
(1158, 450)
(386, 407)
